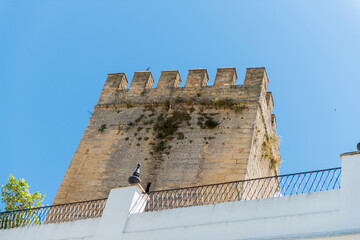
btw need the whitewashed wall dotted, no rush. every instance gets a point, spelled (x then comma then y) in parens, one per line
(326, 215)
(82, 229)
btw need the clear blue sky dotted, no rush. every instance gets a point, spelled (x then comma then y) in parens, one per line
(55, 56)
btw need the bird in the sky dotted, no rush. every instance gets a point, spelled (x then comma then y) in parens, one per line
(148, 69)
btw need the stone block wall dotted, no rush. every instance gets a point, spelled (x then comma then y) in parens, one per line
(182, 136)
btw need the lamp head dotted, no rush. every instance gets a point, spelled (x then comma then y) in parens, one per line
(135, 178)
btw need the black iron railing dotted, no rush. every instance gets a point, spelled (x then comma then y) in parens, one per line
(268, 187)
(52, 214)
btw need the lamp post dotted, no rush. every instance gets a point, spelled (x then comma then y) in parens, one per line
(135, 178)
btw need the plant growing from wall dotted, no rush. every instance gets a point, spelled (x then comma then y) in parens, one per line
(226, 103)
(128, 103)
(238, 108)
(165, 127)
(207, 121)
(211, 123)
(268, 146)
(102, 128)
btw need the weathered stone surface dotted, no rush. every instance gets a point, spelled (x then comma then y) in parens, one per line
(169, 79)
(197, 78)
(121, 133)
(225, 77)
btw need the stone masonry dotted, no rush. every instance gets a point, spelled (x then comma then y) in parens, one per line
(182, 136)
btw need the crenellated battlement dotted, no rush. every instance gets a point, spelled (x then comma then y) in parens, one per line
(225, 77)
(196, 88)
(141, 81)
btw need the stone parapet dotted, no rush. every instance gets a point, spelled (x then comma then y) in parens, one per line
(195, 90)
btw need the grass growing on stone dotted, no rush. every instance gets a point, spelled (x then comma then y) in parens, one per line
(239, 107)
(226, 103)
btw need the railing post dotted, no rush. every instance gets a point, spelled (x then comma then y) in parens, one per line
(350, 189)
(116, 212)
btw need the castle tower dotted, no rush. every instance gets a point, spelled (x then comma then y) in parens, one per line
(182, 136)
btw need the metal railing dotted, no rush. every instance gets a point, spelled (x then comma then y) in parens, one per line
(267, 187)
(52, 214)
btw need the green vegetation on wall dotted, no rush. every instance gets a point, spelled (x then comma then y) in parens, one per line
(271, 142)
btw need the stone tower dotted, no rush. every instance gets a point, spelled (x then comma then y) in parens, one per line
(182, 136)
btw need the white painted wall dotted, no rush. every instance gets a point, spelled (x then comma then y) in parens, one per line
(325, 215)
(75, 230)
(285, 216)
